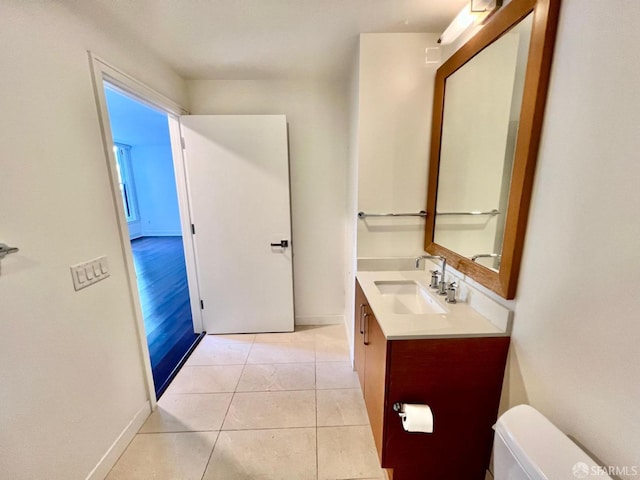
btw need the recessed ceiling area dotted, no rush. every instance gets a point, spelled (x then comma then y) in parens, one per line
(262, 39)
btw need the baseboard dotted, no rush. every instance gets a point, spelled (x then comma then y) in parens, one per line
(106, 463)
(135, 230)
(320, 320)
(161, 233)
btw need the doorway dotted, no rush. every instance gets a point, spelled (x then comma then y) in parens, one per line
(147, 183)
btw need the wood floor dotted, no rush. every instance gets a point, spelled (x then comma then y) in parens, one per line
(164, 295)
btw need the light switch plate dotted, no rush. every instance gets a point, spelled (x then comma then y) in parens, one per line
(88, 273)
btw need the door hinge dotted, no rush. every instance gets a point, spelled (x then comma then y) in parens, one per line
(201, 304)
(193, 229)
(182, 142)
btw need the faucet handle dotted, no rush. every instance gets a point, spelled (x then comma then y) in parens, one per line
(434, 278)
(451, 293)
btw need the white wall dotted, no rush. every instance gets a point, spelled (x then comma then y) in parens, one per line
(350, 218)
(70, 366)
(575, 352)
(156, 190)
(317, 117)
(395, 99)
(147, 132)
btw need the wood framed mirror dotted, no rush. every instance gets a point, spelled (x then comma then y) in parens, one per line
(488, 108)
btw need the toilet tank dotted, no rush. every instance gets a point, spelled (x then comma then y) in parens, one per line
(529, 447)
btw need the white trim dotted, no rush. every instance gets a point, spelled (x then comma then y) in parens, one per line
(117, 448)
(125, 243)
(130, 86)
(184, 206)
(320, 320)
(128, 178)
(135, 229)
(101, 71)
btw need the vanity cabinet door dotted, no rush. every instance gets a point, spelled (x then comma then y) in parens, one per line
(461, 380)
(361, 308)
(375, 378)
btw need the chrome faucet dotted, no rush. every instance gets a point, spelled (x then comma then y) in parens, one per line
(451, 293)
(442, 286)
(434, 279)
(434, 273)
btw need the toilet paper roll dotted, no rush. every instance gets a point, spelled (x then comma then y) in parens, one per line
(417, 418)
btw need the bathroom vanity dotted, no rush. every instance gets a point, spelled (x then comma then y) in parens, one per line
(411, 347)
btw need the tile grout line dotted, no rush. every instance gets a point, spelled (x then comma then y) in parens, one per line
(206, 467)
(227, 412)
(263, 363)
(301, 427)
(221, 392)
(256, 429)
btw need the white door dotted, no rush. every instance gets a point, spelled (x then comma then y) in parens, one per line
(238, 174)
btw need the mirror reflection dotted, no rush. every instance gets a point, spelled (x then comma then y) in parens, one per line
(480, 121)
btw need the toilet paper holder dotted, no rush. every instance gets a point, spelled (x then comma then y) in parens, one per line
(417, 423)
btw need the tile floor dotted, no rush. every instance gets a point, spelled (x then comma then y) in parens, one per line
(265, 406)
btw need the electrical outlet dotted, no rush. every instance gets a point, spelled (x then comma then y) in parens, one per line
(88, 273)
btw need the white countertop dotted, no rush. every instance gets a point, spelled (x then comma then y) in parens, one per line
(459, 319)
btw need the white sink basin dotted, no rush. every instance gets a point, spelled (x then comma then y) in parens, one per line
(408, 297)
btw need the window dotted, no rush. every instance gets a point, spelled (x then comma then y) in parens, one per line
(125, 180)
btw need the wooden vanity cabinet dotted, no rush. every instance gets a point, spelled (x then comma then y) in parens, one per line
(375, 378)
(358, 333)
(370, 351)
(459, 378)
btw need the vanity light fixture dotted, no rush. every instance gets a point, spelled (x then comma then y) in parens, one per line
(475, 12)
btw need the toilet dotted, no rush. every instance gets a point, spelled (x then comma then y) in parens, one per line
(528, 446)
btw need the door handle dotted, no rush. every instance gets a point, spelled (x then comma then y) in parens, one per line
(362, 306)
(6, 250)
(282, 244)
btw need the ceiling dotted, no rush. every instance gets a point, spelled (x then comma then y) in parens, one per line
(261, 39)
